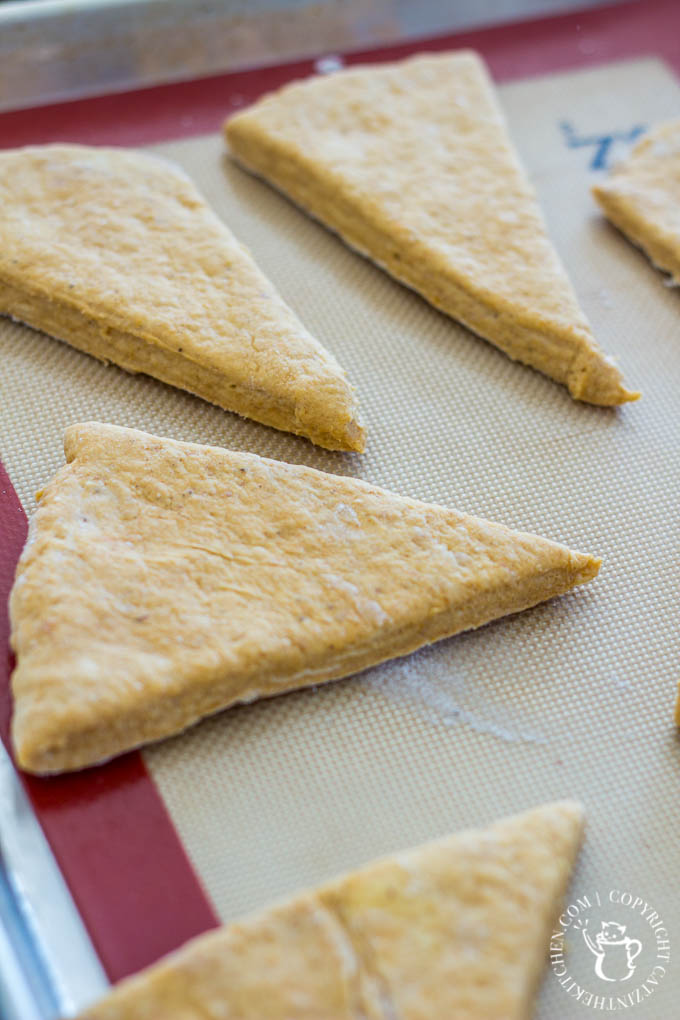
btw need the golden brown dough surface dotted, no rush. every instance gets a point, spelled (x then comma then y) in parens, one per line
(455, 930)
(641, 196)
(411, 163)
(117, 253)
(163, 581)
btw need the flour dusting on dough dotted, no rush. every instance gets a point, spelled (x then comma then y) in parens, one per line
(365, 607)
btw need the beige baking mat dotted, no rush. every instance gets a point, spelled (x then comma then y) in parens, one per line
(573, 698)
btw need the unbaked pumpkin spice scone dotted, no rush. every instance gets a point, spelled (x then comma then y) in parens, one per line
(412, 165)
(117, 253)
(458, 929)
(641, 196)
(164, 581)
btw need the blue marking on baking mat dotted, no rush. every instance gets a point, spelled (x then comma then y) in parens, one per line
(602, 144)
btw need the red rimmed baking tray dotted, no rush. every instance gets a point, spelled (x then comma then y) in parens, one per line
(108, 827)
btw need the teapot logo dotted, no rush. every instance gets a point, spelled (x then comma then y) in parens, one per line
(615, 953)
(610, 949)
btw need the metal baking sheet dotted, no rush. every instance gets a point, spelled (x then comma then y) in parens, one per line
(571, 699)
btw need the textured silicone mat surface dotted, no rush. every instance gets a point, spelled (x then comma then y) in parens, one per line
(573, 698)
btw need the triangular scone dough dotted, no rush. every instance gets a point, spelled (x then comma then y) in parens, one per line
(163, 581)
(641, 197)
(412, 165)
(117, 253)
(458, 929)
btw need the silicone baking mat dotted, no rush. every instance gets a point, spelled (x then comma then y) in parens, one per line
(573, 698)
